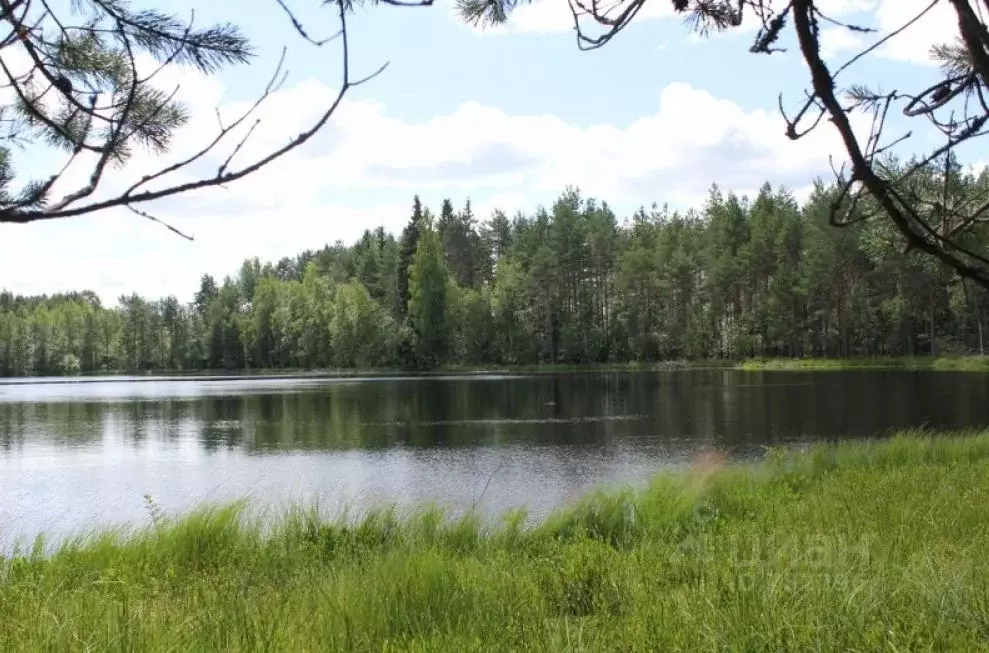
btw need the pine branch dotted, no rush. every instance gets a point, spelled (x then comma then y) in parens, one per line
(143, 115)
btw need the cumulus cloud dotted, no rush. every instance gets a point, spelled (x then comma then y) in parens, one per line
(692, 135)
(362, 170)
(913, 44)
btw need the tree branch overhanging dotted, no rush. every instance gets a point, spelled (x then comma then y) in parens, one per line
(82, 92)
(956, 106)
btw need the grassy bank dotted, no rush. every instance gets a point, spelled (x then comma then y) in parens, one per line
(872, 546)
(943, 363)
(917, 363)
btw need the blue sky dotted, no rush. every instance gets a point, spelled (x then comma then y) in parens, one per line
(507, 118)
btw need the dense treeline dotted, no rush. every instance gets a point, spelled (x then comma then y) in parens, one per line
(737, 278)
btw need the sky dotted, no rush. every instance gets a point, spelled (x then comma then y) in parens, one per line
(506, 117)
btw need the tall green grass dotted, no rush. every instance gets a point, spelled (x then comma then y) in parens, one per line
(874, 546)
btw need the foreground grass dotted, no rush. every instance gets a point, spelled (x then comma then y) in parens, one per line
(855, 547)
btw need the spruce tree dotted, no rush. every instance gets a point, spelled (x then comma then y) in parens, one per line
(407, 250)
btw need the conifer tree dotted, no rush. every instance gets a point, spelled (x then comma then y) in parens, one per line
(407, 250)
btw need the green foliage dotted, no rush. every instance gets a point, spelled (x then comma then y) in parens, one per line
(84, 91)
(361, 330)
(738, 279)
(875, 545)
(407, 249)
(428, 281)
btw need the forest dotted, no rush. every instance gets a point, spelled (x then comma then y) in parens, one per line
(738, 277)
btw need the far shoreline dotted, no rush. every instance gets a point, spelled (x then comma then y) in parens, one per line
(975, 363)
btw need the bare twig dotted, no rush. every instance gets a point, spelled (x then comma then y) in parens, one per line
(299, 27)
(61, 111)
(174, 230)
(917, 232)
(956, 105)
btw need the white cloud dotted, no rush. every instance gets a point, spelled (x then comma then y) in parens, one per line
(118, 253)
(913, 44)
(838, 40)
(938, 25)
(478, 148)
(363, 170)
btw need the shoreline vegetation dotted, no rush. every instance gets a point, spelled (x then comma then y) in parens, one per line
(570, 283)
(917, 363)
(864, 545)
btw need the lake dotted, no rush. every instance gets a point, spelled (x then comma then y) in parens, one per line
(79, 454)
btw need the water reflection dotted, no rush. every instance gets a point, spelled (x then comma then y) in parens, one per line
(74, 453)
(724, 407)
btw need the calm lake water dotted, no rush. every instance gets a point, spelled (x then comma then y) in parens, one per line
(79, 454)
